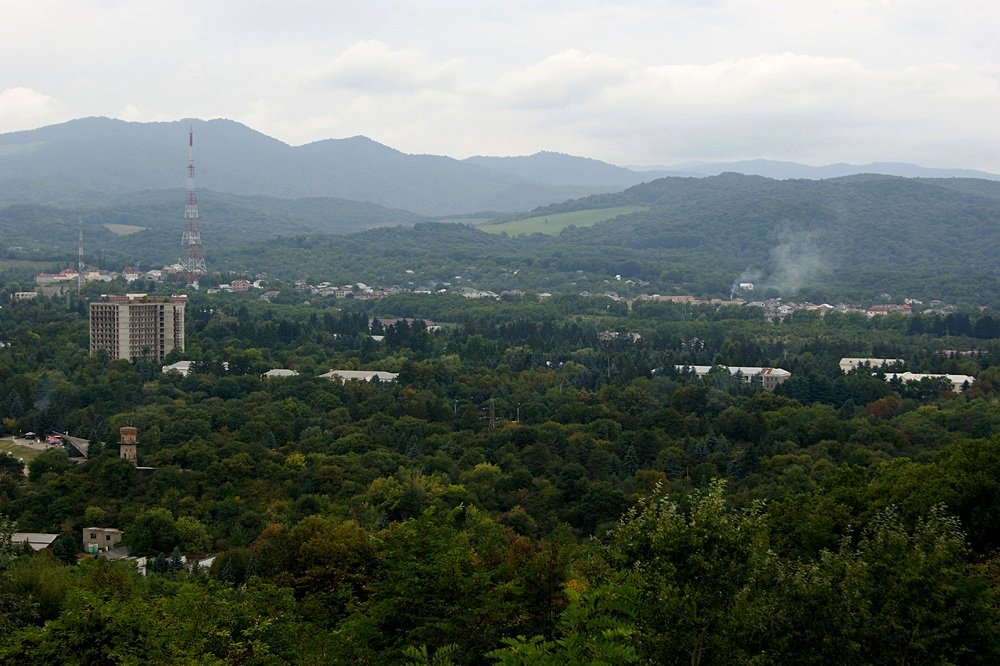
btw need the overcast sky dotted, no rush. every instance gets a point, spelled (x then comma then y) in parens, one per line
(634, 82)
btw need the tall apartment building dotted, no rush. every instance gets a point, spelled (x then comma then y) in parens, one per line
(137, 326)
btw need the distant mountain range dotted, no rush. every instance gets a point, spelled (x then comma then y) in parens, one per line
(88, 159)
(84, 161)
(791, 170)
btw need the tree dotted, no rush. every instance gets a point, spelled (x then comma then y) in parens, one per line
(154, 531)
(53, 460)
(889, 595)
(694, 570)
(596, 627)
(7, 550)
(11, 468)
(192, 535)
(176, 562)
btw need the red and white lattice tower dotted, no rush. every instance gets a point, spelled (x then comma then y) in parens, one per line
(193, 254)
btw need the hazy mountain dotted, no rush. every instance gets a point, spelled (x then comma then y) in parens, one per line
(788, 170)
(86, 159)
(146, 226)
(566, 170)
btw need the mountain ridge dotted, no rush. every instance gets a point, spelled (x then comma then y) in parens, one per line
(785, 170)
(103, 155)
(96, 156)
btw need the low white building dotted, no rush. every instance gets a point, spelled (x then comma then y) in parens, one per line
(36, 540)
(769, 378)
(849, 363)
(361, 375)
(183, 367)
(958, 382)
(279, 372)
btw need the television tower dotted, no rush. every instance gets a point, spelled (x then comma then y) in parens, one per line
(193, 254)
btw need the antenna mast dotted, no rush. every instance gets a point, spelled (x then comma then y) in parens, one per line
(79, 267)
(193, 254)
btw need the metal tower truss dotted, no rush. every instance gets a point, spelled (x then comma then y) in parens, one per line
(192, 259)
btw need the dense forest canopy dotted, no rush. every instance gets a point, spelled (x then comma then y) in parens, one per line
(528, 491)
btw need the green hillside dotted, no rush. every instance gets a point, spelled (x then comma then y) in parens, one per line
(853, 238)
(906, 235)
(146, 226)
(550, 225)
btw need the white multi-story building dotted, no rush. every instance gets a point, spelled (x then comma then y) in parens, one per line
(137, 326)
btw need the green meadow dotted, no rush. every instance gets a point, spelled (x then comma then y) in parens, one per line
(553, 224)
(26, 264)
(7, 445)
(123, 229)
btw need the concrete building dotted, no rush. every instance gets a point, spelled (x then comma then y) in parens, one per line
(183, 367)
(137, 326)
(849, 363)
(36, 540)
(958, 382)
(769, 378)
(100, 539)
(361, 375)
(279, 372)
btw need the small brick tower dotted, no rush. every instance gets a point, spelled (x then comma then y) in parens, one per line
(128, 443)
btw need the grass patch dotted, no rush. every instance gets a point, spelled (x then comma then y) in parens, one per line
(473, 221)
(123, 229)
(7, 446)
(21, 264)
(551, 225)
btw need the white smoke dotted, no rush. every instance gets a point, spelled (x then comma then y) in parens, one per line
(794, 263)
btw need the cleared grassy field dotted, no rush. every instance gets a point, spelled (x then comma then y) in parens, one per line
(473, 221)
(28, 453)
(123, 229)
(553, 224)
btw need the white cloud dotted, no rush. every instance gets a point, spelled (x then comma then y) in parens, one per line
(23, 108)
(565, 79)
(371, 66)
(782, 105)
(637, 81)
(140, 114)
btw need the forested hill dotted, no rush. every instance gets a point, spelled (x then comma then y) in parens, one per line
(145, 227)
(903, 233)
(854, 238)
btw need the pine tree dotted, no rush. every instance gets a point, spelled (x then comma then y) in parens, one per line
(176, 562)
(631, 461)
